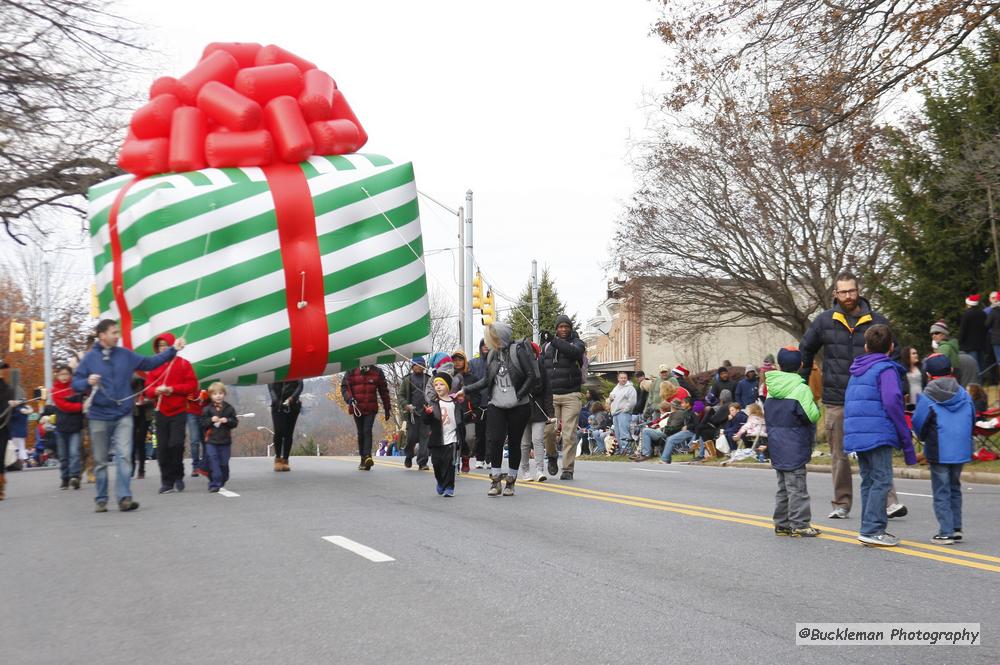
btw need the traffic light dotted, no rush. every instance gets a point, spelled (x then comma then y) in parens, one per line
(16, 337)
(477, 291)
(37, 335)
(488, 309)
(95, 305)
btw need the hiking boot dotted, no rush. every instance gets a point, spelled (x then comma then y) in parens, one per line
(277, 465)
(408, 462)
(566, 475)
(943, 540)
(64, 485)
(465, 465)
(508, 489)
(284, 464)
(806, 532)
(839, 513)
(368, 463)
(102, 507)
(553, 466)
(494, 486)
(782, 531)
(127, 504)
(896, 510)
(179, 485)
(880, 540)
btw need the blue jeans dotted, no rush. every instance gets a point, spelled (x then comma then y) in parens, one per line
(621, 422)
(650, 436)
(674, 440)
(598, 440)
(195, 436)
(946, 485)
(218, 464)
(103, 435)
(876, 481)
(68, 447)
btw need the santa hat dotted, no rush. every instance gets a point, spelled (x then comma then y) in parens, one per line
(972, 300)
(680, 370)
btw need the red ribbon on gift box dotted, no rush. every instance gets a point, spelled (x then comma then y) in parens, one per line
(242, 105)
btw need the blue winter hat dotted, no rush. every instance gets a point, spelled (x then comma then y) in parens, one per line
(937, 365)
(711, 399)
(419, 360)
(790, 359)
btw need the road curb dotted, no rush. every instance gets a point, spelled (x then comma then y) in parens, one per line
(978, 477)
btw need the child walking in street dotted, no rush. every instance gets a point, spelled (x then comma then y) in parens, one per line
(790, 415)
(447, 433)
(218, 420)
(875, 424)
(944, 420)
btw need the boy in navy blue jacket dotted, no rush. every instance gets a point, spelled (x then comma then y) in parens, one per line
(944, 419)
(875, 424)
(790, 414)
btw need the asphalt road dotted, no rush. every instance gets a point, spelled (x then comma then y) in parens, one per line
(627, 564)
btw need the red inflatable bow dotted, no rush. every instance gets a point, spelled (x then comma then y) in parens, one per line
(242, 105)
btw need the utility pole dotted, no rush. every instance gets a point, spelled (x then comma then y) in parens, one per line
(47, 316)
(535, 333)
(462, 304)
(469, 265)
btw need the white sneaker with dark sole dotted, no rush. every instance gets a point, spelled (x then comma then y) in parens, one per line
(896, 510)
(839, 513)
(880, 540)
(943, 540)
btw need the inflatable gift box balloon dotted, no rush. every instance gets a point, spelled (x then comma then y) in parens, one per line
(250, 225)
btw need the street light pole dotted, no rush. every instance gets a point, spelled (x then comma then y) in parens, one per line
(469, 266)
(46, 316)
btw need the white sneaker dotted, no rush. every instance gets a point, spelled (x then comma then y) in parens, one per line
(839, 513)
(896, 510)
(880, 540)
(479, 465)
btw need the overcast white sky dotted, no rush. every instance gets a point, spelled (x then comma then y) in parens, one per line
(532, 105)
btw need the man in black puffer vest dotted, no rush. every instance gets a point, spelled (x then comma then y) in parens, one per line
(563, 357)
(840, 332)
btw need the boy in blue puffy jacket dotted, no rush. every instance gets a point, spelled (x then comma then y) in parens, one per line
(790, 414)
(875, 424)
(943, 420)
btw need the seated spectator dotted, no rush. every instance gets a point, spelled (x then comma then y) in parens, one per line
(599, 423)
(979, 397)
(653, 433)
(747, 389)
(679, 429)
(753, 433)
(737, 418)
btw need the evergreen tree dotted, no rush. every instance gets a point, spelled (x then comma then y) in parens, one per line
(941, 175)
(549, 307)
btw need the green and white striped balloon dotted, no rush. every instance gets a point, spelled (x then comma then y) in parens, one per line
(200, 257)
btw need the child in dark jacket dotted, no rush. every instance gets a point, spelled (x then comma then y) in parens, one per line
(874, 424)
(944, 419)
(218, 420)
(790, 414)
(447, 433)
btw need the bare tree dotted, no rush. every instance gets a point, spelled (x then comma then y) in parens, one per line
(62, 73)
(835, 58)
(740, 220)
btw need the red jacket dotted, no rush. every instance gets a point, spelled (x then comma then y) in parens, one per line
(365, 388)
(177, 375)
(61, 393)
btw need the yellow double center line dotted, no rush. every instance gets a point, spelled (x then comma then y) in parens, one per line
(906, 547)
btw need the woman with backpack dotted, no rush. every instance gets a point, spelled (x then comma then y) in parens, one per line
(511, 374)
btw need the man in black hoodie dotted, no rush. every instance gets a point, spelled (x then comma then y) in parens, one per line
(564, 356)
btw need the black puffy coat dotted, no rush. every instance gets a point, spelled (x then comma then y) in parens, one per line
(972, 335)
(562, 360)
(841, 343)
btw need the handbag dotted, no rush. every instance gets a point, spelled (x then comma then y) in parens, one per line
(722, 444)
